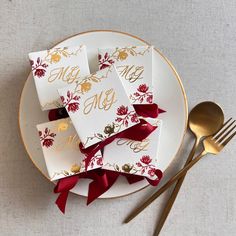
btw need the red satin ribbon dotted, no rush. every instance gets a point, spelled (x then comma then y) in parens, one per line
(148, 110)
(102, 181)
(145, 110)
(137, 132)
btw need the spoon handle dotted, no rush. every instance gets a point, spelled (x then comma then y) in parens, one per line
(164, 187)
(175, 192)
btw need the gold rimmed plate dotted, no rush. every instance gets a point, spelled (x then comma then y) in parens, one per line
(169, 92)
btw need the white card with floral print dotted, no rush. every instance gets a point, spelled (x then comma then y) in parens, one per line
(98, 106)
(56, 68)
(60, 145)
(134, 65)
(134, 157)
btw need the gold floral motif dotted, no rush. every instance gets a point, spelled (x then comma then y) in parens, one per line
(54, 55)
(109, 129)
(122, 55)
(55, 58)
(127, 168)
(85, 86)
(62, 126)
(75, 168)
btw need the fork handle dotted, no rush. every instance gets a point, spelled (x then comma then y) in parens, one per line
(164, 187)
(175, 192)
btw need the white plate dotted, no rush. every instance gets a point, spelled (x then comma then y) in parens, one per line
(170, 96)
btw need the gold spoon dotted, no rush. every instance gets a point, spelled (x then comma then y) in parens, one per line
(205, 119)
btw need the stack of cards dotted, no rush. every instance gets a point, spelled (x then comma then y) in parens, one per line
(99, 105)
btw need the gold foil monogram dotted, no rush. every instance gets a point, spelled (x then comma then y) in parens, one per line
(67, 74)
(72, 141)
(102, 101)
(135, 146)
(131, 73)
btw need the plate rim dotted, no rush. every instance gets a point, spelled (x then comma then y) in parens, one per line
(176, 75)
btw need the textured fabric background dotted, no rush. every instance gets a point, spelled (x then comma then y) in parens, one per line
(199, 37)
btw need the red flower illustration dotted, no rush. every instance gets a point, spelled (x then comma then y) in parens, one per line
(124, 116)
(152, 172)
(143, 88)
(96, 160)
(142, 94)
(71, 102)
(134, 118)
(122, 110)
(145, 166)
(48, 142)
(46, 138)
(99, 162)
(38, 68)
(146, 159)
(104, 62)
(39, 72)
(150, 98)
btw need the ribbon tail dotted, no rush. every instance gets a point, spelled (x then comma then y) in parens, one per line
(61, 201)
(156, 181)
(160, 110)
(63, 187)
(101, 184)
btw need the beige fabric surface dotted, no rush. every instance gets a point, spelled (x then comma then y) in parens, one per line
(199, 37)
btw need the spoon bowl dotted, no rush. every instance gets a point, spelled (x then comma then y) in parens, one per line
(205, 119)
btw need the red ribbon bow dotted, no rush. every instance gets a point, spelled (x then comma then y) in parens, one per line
(102, 181)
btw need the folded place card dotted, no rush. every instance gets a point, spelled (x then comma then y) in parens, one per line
(60, 145)
(98, 106)
(56, 68)
(134, 65)
(134, 157)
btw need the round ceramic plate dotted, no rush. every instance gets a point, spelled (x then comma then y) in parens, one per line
(170, 96)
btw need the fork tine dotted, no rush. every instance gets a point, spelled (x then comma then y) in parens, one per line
(228, 139)
(221, 131)
(225, 135)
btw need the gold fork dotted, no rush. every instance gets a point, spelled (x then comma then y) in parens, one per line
(212, 144)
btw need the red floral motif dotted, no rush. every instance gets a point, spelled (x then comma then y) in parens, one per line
(104, 62)
(46, 138)
(142, 94)
(95, 160)
(122, 110)
(152, 172)
(38, 68)
(125, 116)
(99, 162)
(71, 102)
(145, 166)
(143, 88)
(146, 159)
